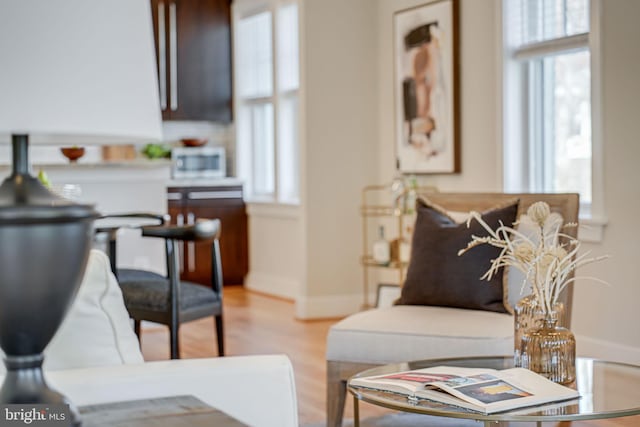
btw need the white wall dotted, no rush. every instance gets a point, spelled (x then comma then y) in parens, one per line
(340, 78)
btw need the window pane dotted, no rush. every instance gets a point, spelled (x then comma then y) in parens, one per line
(288, 47)
(533, 21)
(263, 149)
(288, 150)
(243, 145)
(572, 99)
(564, 159)
(254, 55)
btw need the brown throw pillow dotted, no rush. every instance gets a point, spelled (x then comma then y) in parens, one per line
(438, 276)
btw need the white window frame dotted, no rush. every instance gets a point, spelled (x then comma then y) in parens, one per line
(242, 9)
(513, 115)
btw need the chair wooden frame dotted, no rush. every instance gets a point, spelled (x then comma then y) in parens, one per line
(202, 230)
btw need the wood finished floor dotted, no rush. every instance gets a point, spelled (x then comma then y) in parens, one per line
(258, 324)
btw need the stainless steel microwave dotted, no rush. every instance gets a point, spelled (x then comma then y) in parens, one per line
(199, 162)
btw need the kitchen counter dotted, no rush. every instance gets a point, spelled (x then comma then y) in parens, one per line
(159, 169)
(205, 182)
(133, 164)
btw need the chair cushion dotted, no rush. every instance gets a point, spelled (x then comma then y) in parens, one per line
(405, 332)
(132, 275)
(438, 276)
(144, 290)
(97, 330)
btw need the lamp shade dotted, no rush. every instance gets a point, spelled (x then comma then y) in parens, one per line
(78, 71)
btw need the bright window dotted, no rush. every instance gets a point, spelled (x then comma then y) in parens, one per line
(548, 95)
(266, 64)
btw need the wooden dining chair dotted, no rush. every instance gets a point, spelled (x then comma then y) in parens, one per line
(167, 299)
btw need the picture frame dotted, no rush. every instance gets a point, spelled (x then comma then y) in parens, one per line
(426, 74)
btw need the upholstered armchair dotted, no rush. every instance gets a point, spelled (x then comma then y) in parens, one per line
(413, 332)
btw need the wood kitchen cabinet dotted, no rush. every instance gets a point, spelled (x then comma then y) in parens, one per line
(187, 204)
(193, 49)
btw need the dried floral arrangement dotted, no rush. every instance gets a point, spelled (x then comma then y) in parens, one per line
(546, 262)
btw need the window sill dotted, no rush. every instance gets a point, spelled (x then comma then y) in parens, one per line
(591, 230)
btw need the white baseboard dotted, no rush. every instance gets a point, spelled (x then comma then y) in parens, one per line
(284, 287)
(607, 350)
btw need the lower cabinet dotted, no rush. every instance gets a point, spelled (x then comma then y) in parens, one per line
(186, 205)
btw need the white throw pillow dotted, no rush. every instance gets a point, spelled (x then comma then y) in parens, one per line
(97, 330)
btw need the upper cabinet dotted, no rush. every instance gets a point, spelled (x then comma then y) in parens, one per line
(193, 48)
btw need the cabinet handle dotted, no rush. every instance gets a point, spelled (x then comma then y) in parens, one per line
(180, 221)
(191, 259)
(226, 194)
(162, 57)
(173, 56)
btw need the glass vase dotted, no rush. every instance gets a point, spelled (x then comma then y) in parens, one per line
(528, 315)
(550, 350)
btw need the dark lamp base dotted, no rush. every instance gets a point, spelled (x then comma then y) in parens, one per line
(44, 248)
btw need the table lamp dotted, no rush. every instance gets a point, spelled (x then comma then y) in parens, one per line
(72, 72)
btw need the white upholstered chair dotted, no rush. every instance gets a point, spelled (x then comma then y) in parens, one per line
(409, 332)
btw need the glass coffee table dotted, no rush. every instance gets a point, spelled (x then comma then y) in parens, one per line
(607, 390)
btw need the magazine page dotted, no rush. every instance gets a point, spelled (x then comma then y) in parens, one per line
(504, 390)
(410, 382)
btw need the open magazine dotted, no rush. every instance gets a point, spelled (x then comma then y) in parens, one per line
(482, 390)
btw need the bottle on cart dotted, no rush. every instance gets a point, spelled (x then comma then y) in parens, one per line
(381, 248)
(412, 196)
(398, 194)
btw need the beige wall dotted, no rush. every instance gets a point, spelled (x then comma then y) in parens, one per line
(341, 78)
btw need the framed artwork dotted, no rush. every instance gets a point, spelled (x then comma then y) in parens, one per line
(426, 88)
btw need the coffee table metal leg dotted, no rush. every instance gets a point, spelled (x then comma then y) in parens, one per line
(356, 412)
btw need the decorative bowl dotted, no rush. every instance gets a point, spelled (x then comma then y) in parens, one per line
(72, 153)
(193, 142)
